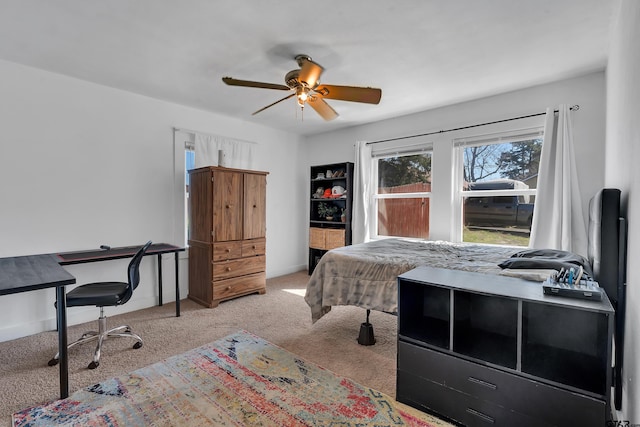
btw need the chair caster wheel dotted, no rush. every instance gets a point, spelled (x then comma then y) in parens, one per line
(53, 362)
(93, 365)
(137, 345)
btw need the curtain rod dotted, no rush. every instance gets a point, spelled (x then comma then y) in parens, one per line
(573, 108)
(195, 132)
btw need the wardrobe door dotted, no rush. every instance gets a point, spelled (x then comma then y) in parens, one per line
(227, 206)
(255, 188)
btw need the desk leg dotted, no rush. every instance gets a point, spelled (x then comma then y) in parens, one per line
(61, 316)
(160, 279)
(177, 286)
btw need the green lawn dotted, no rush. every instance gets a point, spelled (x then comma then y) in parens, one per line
(475, 235)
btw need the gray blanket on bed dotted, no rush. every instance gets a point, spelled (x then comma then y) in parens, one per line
(365, 275)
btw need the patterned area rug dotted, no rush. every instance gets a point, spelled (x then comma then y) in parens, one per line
(236, 381)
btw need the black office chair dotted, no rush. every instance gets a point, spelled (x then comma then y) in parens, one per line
(106, 294)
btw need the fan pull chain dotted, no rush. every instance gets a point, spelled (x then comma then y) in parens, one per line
(301, 113)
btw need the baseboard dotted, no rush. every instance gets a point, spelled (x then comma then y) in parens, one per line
(76, 315)
(284, 271)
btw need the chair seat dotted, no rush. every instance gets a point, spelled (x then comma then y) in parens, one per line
(100, 294)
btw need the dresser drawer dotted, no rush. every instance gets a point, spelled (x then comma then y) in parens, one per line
(238, 267)
(230, 288)
(551, 404)
(460, 407)
(254, 247)
(227, 250)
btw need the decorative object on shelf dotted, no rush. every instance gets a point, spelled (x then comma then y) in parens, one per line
(319, 193)
(337, 191)
(320, 175)
(343, 216)
(327, 211)
(327, 193)
(329, 173)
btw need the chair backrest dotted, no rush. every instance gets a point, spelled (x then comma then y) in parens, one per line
(133, 271)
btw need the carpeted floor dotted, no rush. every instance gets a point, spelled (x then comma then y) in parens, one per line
(240, 379)
(280, 316)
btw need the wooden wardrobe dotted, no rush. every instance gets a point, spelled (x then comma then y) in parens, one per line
(227, 229)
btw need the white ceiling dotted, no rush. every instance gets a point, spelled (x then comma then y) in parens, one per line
(421, 53)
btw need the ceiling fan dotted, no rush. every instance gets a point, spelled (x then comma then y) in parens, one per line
(306, 87)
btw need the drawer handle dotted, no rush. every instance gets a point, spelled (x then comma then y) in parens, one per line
(482, 383)
(253, 247)
(228, 268)
(227, 250)
(482, 416)
(228, 288)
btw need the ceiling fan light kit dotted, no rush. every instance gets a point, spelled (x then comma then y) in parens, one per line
(306, 87)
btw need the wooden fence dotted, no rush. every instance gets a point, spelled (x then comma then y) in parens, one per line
(404, 217)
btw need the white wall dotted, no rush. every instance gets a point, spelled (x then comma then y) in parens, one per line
(589, 134)
(621, 171)
(83, 165)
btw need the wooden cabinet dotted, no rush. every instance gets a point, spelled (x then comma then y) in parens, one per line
(331, 186)
(227, 229)
(491, 350)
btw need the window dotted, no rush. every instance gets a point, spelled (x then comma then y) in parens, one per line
(498, 187)
(402, 193)
(189, 163)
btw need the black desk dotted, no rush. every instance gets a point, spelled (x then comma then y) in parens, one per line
(30, 273)
(95, 255)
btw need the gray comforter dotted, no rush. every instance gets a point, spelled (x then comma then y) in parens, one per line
(365, 275)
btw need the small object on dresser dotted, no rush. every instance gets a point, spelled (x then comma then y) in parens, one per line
(583, 289)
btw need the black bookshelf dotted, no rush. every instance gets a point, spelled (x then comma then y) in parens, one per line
(326, 234)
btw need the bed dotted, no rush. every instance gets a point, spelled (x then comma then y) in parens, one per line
(365, 275)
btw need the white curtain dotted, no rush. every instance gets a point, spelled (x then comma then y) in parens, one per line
(362, 182)
(212, 150)
(558, 218)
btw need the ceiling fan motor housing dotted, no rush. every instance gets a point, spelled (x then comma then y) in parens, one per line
(291, 79)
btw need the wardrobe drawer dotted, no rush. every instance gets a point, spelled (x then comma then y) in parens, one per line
(254, 247)
(227, 250)
(554, 405)
(230, 288)
(238, 267)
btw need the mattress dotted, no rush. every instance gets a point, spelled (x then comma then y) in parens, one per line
(365, 274)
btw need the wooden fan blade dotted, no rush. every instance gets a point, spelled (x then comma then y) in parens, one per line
(368, 95)
(271, 105)
(309, 72)
(246, 83)
(322, 108)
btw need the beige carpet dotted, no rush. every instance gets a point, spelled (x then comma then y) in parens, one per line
(280, 316)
